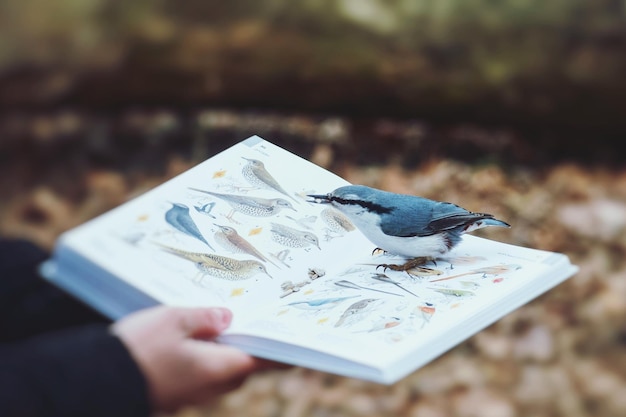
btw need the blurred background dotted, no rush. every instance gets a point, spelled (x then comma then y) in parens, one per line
(513, 107)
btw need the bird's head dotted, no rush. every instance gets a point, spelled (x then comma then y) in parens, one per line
(354, 198)
(226, 229)
(282, 203)
(254, 162)
(179, 206)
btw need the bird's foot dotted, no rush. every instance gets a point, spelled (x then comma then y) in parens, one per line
(415, 264)
(422, 271)
(229, 217)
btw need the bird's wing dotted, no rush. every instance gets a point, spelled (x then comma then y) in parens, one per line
(410, 216)
(457, 220)
(266, 177)
(219, 262)
(427, 218)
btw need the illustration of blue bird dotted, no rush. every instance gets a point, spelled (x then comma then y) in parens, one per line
(206, 209)
(409, 226)
(320, 304)
(178, 217)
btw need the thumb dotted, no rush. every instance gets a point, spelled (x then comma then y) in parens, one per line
(204, 322)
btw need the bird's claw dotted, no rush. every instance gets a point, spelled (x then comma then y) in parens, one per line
(415, 263)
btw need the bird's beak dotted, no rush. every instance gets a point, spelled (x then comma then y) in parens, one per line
(319, 198)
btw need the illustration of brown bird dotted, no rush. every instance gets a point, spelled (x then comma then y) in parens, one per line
(293, 238)
(232, 241)
(219, 266)
(257, 175)
(251, 206)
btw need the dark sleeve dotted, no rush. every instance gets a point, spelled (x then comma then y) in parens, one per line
(29, 305)
(83, 371)
(57, 357)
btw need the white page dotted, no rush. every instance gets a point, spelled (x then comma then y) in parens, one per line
(475, 276)
(128, 241)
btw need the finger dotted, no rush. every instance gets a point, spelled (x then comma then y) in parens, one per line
(268, 365)
(204, 322)
(222, 362)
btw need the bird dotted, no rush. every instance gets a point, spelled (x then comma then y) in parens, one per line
(206, 208)
(219, 266)
(423, 312)
(348, 284)
(337, 222)
(293, 238)
(385, 278)
(355, 309)
(405, 225)
(178, 217)
(320, 303)
(251, 206)
(258, 176)
(383, 323)
(488, 270)
(231, 240)
(307, 221)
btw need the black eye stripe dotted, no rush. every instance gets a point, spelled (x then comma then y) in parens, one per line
(373, 207)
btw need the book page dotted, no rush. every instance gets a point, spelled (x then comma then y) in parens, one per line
(413, 315)
(234, 231)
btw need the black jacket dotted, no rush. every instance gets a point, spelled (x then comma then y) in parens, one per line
(57, 357)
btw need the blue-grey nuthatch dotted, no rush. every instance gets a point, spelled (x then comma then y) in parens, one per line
(405, 225)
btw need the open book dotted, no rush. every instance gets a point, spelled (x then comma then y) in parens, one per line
(302, 282)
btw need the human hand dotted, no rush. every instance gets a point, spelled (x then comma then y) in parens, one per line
(173, 348)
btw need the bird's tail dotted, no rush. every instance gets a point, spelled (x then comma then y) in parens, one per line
(191, 256)
(485, 220)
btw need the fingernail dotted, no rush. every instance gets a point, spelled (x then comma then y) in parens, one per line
(223, 315)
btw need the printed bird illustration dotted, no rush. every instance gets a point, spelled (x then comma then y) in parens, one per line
(293, 238)
(206, 209)
(354, 310)
(251, 206)
(321, 303)
(257, 175)
(348, 284)
(178, 217)
(383, 323)
(488, 270)
(454, 292)
(281, 256)
(385, 278)
(424, 312)
(405, 225)
(232, 241)
(336, 222)
(219, 266)
(464, 260)
(307, 221)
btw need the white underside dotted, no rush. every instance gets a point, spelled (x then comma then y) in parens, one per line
(410, 247)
